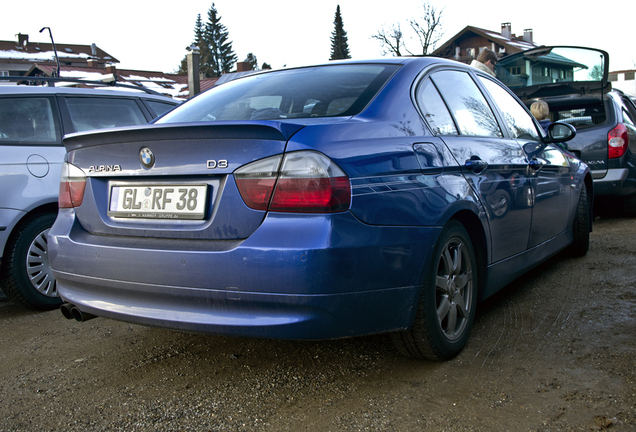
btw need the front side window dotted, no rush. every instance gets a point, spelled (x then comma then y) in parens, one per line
(28, 120)
(519, 122)
(89, 113)
(321, 91)
(468, 106)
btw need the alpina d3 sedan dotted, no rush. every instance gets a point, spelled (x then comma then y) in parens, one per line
(320, 202)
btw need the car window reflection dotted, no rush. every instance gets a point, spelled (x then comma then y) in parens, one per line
(467, 105)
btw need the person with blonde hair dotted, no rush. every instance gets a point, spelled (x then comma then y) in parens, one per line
(486, 61)
(541, 111)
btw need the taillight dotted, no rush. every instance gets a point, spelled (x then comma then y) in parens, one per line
(72, 185)
(617, 140)
(306, 182)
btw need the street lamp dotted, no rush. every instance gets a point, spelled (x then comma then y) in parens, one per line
(54, 49)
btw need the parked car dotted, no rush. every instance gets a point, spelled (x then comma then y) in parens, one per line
(319, 202)
(573, 81)
(33, 120)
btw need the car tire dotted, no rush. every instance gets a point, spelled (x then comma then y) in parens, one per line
(446, 307)
(581, 226)
(26, 276)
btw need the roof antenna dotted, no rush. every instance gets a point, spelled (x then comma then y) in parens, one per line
(54, 50)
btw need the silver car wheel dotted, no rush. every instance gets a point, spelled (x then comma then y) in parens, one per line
(453, 286)
(38, 266)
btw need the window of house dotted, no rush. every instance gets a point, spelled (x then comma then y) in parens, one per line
(546, 72)
(515, 70)
(613, 77)
(4, 73)
(629, 76)
(467, 104)
(470, 52)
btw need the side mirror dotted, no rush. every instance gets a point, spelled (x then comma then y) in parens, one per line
(561, 132)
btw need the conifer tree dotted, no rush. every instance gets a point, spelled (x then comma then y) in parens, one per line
(218, 57)
(198, 41)
(339, 43)
(251, 59)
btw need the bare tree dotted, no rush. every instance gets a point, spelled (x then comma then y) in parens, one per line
(391, 39)
(427, 29)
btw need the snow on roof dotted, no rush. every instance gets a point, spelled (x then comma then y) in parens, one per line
(93, 76)
(40, 56)
(148, 78)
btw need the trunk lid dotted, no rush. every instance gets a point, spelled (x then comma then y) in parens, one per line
(172, 181)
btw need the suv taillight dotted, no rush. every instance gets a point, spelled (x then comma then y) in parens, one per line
(72, 185)
(617, 140)
(305, 181)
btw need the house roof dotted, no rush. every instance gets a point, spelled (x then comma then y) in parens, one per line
(512, 45)
(173, 85)
(32, 52)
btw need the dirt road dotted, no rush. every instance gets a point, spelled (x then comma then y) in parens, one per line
(554, 351)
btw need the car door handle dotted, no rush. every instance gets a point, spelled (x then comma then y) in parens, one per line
(536, 164)
(476, 165)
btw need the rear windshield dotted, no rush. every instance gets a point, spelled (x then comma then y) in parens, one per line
(580, 114)
(324, 91)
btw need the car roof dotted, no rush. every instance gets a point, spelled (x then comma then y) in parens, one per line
(74, 91)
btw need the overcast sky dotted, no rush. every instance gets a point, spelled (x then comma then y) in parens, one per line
(152, 35)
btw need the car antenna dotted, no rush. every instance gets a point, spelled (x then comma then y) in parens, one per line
(57, 60)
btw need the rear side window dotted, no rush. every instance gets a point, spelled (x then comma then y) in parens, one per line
(434, 109)
(629, 112)
(101, 113)
(467, 104)
(157, 108)
(28, 120)
(321, 91)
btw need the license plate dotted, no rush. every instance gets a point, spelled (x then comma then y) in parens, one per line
(158, 201)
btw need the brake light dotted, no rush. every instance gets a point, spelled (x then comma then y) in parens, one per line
(305, 181)
(617, 140)
(72, 186)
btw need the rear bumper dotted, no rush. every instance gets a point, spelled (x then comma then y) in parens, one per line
(296, 277)
(616, 182)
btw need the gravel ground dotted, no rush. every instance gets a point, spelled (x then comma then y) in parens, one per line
(554, 351)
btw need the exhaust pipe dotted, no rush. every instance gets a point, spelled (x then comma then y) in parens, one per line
(66, 310)
(71, 311)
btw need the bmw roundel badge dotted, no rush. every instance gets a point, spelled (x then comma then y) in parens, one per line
(147, 157)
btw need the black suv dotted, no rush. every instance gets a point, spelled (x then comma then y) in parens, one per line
(33, 120)
(573, 81)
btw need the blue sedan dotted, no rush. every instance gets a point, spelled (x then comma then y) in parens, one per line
(320, 202)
